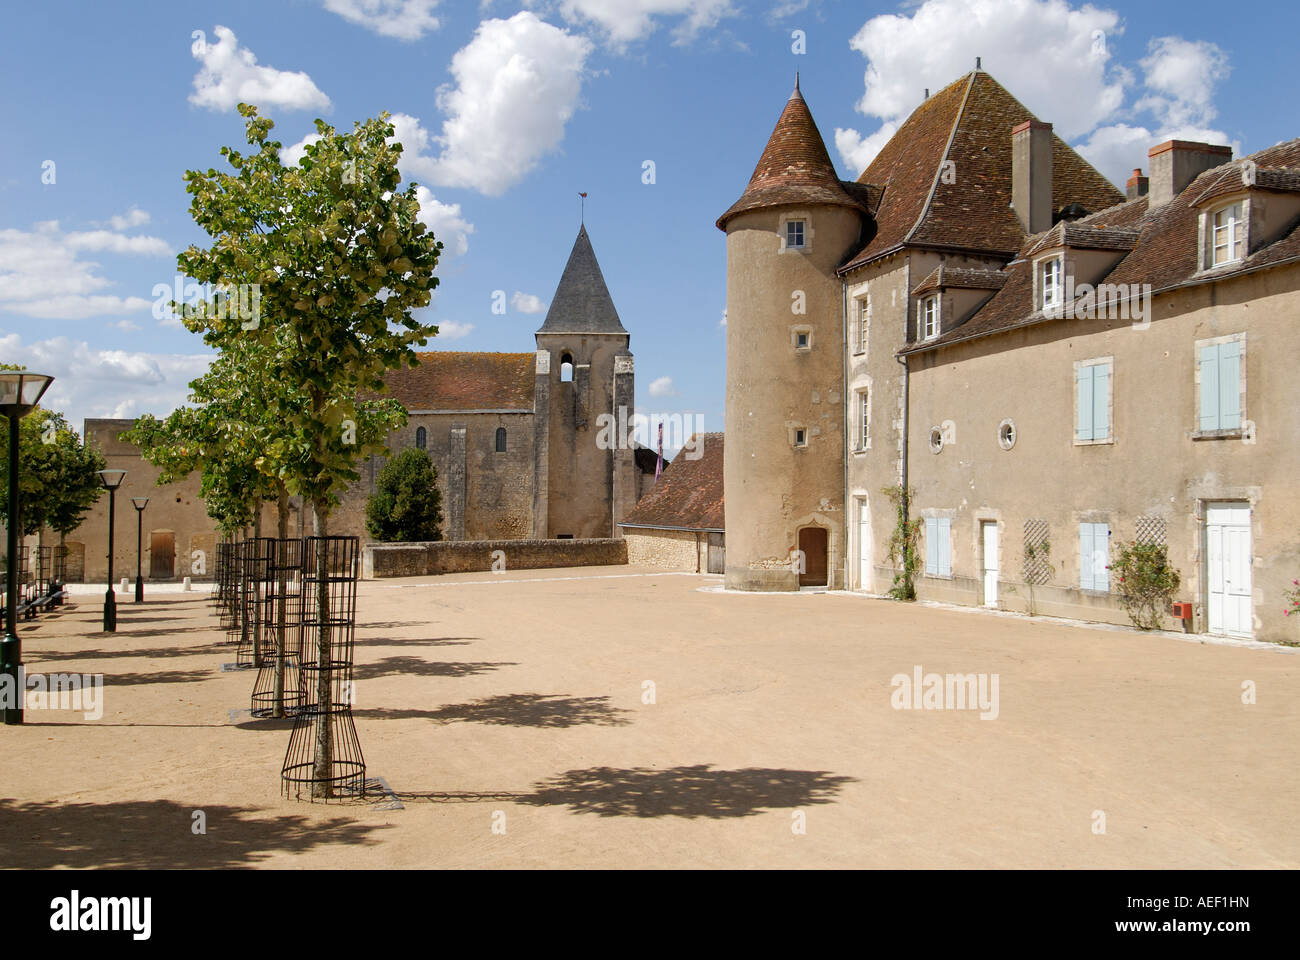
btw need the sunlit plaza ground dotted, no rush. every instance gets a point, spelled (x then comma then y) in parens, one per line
(509, 716)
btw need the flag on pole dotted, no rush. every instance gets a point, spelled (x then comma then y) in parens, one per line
(659, 465)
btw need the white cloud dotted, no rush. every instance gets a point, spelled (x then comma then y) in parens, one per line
(527, 303)
(403, 19)
(1180, 78)
(446, 222)
(127, 326)
(135, 217)
(517, 85)
(229, 75)
(42, 274)
(1085, 93)
(452, 330)
(663, 387)
(91, 382)
(626, 21)
(292, 155)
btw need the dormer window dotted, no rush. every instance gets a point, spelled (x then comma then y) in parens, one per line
(927, 321)
(1227, 235)
(794, 234)
(1050, 292)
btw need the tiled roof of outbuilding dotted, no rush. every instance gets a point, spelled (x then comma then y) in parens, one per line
(964, 131)
(450, 380)
(795, 168)
(688, 495)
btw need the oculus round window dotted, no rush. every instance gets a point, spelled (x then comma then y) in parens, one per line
(936, 440)
(1007, 434)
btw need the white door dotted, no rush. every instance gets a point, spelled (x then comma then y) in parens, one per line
(989, 533)
(864, 545)
(1227, 569)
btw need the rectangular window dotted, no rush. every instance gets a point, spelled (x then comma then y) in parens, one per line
(929, 318)
(801, 438)
(862, 326)
(1227, 239)
(1049, 283)
(864, 411)
(1092, 402)
(938, 547)
(1094, 557)
(794, 234)
(1220, 365)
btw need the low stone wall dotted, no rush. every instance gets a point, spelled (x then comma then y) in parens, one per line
(671, 549)
(381, 561)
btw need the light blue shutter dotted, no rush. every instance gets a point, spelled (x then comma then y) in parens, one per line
(1100, 402)
(1101, 556)
(1085, 556)
(1083, 430)
(1230, 385)
(931, 547)
(945, 547)
(1210, 387)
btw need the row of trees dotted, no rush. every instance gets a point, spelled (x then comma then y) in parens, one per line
(290, 405)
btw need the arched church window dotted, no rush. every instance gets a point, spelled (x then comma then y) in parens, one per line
(421, 438)
(501, 439)
(566, 369)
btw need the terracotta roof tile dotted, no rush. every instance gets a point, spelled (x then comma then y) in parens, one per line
(688, 494)
(450, 380)
(1165, 255)
(969, 123)
(944, 277)
(794, 168)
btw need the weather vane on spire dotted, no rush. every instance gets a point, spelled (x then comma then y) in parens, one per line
(582, 209)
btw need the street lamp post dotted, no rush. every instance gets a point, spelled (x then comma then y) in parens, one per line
(20, 392)
(111, 479)
(139, 503)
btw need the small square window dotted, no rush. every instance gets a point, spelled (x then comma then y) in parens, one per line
(794, 234)
(801, 339)
(801, 438)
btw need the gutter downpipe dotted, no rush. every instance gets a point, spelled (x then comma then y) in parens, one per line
(844, 422)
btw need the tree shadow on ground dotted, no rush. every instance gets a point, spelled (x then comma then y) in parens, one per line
(690, 792)
(157, 653)
(694, 791)
(401, 642)
(534, 710)
(157, 835)
(392, 624)
(159, 676)
(414, 666)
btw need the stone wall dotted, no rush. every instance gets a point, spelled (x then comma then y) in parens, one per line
(673, 549)
(383, 560)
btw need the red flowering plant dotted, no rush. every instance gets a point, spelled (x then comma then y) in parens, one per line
(1293, 598)
(1147, 582)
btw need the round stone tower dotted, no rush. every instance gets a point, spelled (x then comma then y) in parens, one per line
(793, 226)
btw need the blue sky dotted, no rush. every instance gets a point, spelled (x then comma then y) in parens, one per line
(508, 110)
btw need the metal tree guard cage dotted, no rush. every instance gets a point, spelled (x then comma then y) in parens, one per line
(220, 575)
(324, 758)
(235, 622)
(253, 649)
(277, 691)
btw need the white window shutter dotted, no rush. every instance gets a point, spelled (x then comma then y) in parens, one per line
(1085, 557)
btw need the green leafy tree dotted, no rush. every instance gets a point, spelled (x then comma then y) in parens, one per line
(1146, 582)
(407, 505)
(340, 261)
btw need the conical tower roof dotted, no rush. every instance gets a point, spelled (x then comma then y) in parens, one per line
(795, 167)
(582, 303)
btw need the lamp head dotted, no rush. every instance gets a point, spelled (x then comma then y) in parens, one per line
(21, 391)
(112, 479)
(140, 503)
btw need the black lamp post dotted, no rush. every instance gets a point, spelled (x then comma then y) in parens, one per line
(20, 392)
(139, 503)
(111, 479)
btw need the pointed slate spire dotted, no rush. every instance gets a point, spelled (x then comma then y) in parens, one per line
(795, 167)
(582, 303)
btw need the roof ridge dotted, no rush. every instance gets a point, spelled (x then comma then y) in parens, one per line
(938, 173)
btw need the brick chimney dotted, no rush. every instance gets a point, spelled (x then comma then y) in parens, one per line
(1031, 175)
(1138, 185)
(1177, 163)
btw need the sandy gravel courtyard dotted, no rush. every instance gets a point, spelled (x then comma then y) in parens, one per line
(622, 717)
